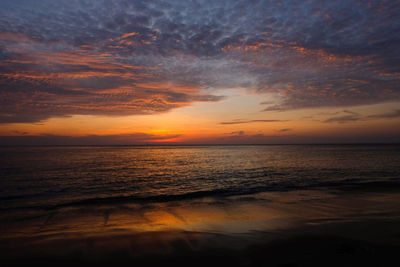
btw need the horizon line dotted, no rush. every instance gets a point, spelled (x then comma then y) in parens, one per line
(205, 144)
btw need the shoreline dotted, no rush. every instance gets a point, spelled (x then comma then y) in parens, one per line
(352, 225)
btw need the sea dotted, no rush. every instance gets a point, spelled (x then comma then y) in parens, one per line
(253, 205)
(51, 177)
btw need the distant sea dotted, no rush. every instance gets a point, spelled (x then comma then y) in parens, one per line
(51, 177)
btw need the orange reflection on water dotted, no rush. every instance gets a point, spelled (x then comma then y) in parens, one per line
(265, 212)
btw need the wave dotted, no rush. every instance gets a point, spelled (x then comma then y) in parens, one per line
(343, 186)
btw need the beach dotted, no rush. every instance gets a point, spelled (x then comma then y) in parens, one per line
(302, 228)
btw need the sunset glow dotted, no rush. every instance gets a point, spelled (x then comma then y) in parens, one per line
(223, 72)
(199, 133)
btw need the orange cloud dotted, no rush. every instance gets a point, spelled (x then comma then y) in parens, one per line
(126, 35)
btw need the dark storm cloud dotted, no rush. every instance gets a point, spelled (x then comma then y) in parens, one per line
(59, 58)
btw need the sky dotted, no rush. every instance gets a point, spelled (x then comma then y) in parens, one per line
(116, 72)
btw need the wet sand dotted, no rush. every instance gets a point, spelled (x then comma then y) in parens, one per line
(352, 226)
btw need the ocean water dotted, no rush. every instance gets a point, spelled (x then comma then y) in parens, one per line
(46, 178)
(137, 205)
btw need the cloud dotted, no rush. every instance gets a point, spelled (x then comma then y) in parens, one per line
(388, 115)
(248, 121)
(122, 139)
(350, 112)
(354, 116)
(343, 119)
(60, 58)
(284, 130)
(237, 133)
